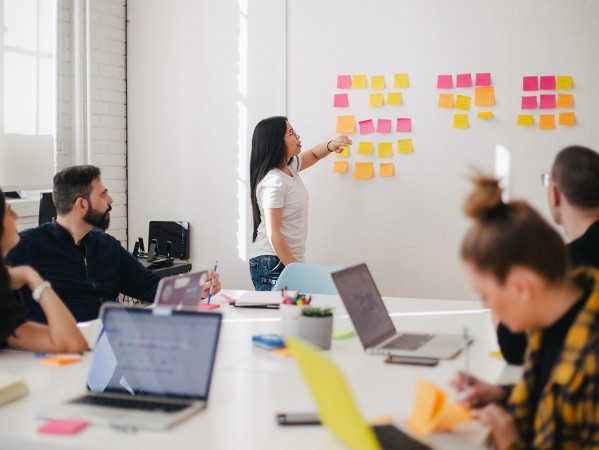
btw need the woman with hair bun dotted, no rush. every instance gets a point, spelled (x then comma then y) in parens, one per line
(519, 265)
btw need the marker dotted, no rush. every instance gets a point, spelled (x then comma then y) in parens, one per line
(212, 284)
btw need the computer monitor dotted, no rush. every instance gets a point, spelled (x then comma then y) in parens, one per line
(47, 209)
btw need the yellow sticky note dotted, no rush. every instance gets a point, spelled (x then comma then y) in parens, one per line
(462, 102)
(386, 169)
(344, 152)
(525, 120)
(375, 100)
(358, 81)
(485, 115)
(484, 96)
(364, 171)
(565, 100)
(460, 120)
(340, 167)
(365, 148)
(445, 100)
(547, 122)
(567, 119)
(394, 98)
(346, 124)
(385, 150)
(401, 80)
(404, 146)
(377, 82)
(496, 354)
(563, 82)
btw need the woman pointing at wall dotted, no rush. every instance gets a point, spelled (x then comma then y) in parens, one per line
(279, 198)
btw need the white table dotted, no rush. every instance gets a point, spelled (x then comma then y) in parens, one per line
(250, 385)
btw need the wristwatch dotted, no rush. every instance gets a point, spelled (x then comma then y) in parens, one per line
(38, 291)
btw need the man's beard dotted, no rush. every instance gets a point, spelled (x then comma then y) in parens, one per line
(98, 219)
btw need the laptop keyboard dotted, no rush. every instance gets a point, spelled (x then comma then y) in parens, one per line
(391, 438)
(124, 403)
(409, 341)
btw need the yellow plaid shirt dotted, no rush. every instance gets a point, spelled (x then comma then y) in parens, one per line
(567, 416)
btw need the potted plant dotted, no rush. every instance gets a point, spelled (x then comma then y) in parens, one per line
(315, 325)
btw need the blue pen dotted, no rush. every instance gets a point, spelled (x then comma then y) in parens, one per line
(212, 284)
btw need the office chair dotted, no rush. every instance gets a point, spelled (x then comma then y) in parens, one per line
(307, 278)
(47, 210)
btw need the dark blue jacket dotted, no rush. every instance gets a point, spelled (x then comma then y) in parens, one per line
(84, 275)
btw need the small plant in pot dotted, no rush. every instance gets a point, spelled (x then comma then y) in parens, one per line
(316, 326)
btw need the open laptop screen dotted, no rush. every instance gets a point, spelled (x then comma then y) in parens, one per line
(154, 352)
(364, 304)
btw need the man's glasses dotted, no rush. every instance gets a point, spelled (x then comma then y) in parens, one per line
(545, 178)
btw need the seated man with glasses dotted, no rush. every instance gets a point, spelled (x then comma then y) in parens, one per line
(573, 194)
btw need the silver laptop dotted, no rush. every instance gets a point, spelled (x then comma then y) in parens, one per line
(150, 368)
(374, 326)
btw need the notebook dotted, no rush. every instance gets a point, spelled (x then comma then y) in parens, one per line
(263, 299)
(336, 407)
(150, 368)
(374, 326)
(181, 291)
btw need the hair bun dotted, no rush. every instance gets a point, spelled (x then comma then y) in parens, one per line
(485, 199)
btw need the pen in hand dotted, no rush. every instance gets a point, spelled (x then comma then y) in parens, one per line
(212, 282)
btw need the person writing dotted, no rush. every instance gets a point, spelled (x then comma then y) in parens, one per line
(61, 335)
(519, 265)
(279, 198)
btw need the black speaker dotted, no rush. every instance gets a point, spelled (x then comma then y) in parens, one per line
(175, 232)
(47, 210)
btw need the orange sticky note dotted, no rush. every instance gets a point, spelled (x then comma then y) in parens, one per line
(386, 169)
(358, 81)
(484, 96)
(385, 149)
(364, 171)
(445, 100)
(340, 167)
(547, 122)
(485, 115)
(365, 148)
(525, 120)
(394, 98)
(344, 152)
(401, 80)
(60, 360)
(346, 124)
(460, 120)
(404, 146)
(377, 82)
(565, 100)
(567, 119)
(462, 102)
(375, 100)
(280, 352)
(563, 82)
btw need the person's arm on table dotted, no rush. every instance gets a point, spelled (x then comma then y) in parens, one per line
(312, 156)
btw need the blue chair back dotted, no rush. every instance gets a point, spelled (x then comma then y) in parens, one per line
(307, 279)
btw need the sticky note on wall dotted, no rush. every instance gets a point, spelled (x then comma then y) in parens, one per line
(547, 101)
(344, 82)
(366, 126)
(340, 167)
(460, 121)
(385, 150)
(444, 82)
(394, 98)
(401, 80)
(358, 81)
(404, 146)
(341, 101)
(525, 120)
(346, 124)
(445, 100)
(484, 96)
(463, 80)
(529, 102)
(386, 169)
(404, 125)
(565, 100)
(462, 102)
(365, 148)
(375, 100)
(483, 79)
(563, 82)
(567, 119)
(530, 83)
(383, 126)
(344, 151)
(547, 122)
(377, 82)
(363, 170)
(485, 115)
(547, 82)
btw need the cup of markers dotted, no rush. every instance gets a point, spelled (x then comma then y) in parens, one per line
(291, 310)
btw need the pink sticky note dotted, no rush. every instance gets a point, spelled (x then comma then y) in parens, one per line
(548, 82)
(530, 83)
(529, 102)
(341, 101)
(208, 307)
(547, 101)
(366, 126)
(344, 82)
(444, 82)
(463, 80)
(383, 126)
(483, 79)
(62, 427)
(404, 125)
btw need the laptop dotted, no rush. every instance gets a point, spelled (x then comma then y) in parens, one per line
(336, 407)
(374, 326)
(150, 368)
(181, 291)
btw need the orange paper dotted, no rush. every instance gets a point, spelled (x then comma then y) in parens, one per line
(484, 96)
(567, 119)
(340, 167)
(386, 169)
(346, 124)
(547, 122)
(565, 100)
(364, 171)
(60, 360)
(445, 100)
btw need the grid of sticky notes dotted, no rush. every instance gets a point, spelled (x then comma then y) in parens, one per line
(378, 135)
(459, 96)
(543, 93)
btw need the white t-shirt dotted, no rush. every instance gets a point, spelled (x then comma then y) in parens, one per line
(279, 190)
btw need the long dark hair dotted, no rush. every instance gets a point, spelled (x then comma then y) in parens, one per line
(12, 312)
(268, 152)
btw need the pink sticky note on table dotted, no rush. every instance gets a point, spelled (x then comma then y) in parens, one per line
(341, 101)
(463, 80)
(530, 83)
(548, 82)
(62, 427)
(404, 124)
(444, 82)
(483, 79)
(344, 82)
(529, 102)
(547, 101)
(208, 307)
(383, 126)
(366, 126)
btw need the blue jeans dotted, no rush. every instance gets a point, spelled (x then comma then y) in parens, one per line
(265, 271)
